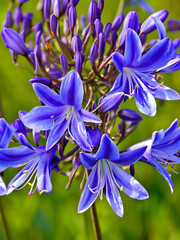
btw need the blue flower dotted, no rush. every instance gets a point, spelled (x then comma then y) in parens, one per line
(137, 72)
(108, 176)
(62, 112)
(162, 150)
(38, 165)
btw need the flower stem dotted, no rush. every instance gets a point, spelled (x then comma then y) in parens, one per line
(95, 222)
(4, 222)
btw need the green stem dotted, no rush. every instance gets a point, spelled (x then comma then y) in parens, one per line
(4, 221)
(95, 222)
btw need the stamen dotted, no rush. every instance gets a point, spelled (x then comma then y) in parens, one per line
(40, 192)
(121, 189)
(25, 171)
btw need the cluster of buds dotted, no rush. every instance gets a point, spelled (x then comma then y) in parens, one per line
(83, 71)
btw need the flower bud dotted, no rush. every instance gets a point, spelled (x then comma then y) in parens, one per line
(93, 53)
(92, 11)
(57, 8)
(83, 22)
(107, 29)
(14, 41)
(101, 5)
(39, 27)
(47, 9)
(102, 43)
(72, 16)
(95, 136)
(149, 25)
(22, 1)
(113, 38)
(8, 21)
(26, 23)
(43, 80)
(76, 44)
(19, 127)
(111, 101)
(117, 22)
(98, 26)
(53, 24)
(130, 116)
(78, 61)
(74, 2)
(63, 62)
(17, 17)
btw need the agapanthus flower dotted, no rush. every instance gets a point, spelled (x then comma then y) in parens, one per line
(62, 112)
(108, 176)
(162, 150)
(137, 72)
(36, 162)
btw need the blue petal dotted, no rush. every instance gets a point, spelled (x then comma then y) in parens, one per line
(164, 173)
(158, 56)
(160, 27)
(71, 92)
(10, 157)
(95, 136)
(2, 187)
(88, 197)
(118, 60)
(112, 193)
(128, 184)
(5, 134)
(107, 149)
(43, 117)
(130, 157)
(89, 117)
(22, 176)
(56, 132)
(166, 93)
(133, 49)
(88, 160)
(157, 137)
(78, 132)
(171, 147)
(145, 102)
(47, 95)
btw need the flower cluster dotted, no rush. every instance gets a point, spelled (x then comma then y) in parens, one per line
(82, 74)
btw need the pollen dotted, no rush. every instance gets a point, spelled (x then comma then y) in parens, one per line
(30, 184)
(121, 189)
(52, 33)
(42, 191)
(111, 191)
(48, 46)
(25, 171)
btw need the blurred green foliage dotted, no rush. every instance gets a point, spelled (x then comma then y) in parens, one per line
(54, 216)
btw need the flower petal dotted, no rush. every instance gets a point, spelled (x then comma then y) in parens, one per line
(5, 134)
(89, 116)
(128, 184)
(47, 95)
(166, 93)
(107, 149)
(88, 160)
(118, 60)
(2, 187)
(71, 92)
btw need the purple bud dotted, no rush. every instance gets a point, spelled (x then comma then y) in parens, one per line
(14, 41)
(122, 129)
(98, 26)
(83, 22)
(78, 61)
(66, 26)
(107, 29)
(101, 5)
(130, 116)
(74, 2)
(17, 16)
(76, 44)
(92, 11)
(43, 80)
(9, 21)
(113, 38)
(19, 127)
(72, 16)
(53, 24)
(26, 23)
(102, 43)
(64, 6)
(176, 43)
(22, 1)
(57, 8)
(39, 27)
(173, 25)
(117, 22)
(112, 101)
(47, 9)
(143, 38)
(131, 21)
(149, 25)
(63, 62)
(98, 13)
(93, 105)
(56, 73)
(93, 53)
(38, 37)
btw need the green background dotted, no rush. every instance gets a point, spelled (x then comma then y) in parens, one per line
(54, 215)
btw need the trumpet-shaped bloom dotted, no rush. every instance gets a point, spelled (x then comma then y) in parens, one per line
(162, 150)
(62, 112)
(137, 72)
(36, 161)
(108, 176)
